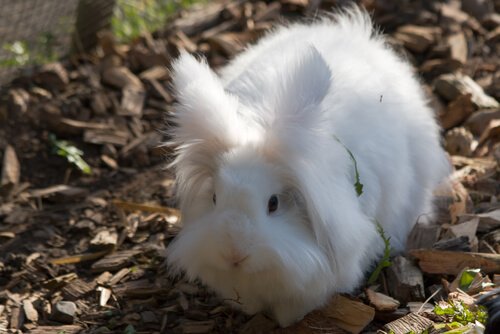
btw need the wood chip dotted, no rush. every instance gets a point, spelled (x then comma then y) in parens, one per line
(197, 21)
(228, 43)
(118, 276)
(487, 221)
(405, 281)
(52, 76)
(18, 101)
(491, 132)
(417, 38)
(56, 282)
(380, 301)
(103, 278)
(423, 235)
(130, 206)
(115, 261)
(350, 315)
(458, 47)
(411, 323)
(451, 263)
(105, 238)
(467, 229)
(66, 329)
(78, 288)
(116, 137)
(475, 168)
(457, 111)
(121, 77)
(451, 86)
(11, 169)
(80, 257)
(459, 141)
(61, 193)
(155, 73)
(479, 121)
(16, 318)
(29, 311)
(104, 295)
(132, 102)
(139, 288)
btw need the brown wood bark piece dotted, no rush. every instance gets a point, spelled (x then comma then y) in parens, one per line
(350, 315)
(423, 235)
(52, 76)
(405, 280)
(412, 322)
(314, 323)
(139, 288)
(77, 289)
(132, 102)
(29, 311)
(66, 329)
(11, 169)
(479, 121)
(61, 193)
(16, 317)
(417, 38)
(118, 138)
(115, 261)
(488, 221)
(121, 77)
(457, 111)
(446, 262)
(381, 302)
(155, 73)
(118, 276)
(458, 47)
(200, 20)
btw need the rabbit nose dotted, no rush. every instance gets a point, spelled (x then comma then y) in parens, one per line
(235, 258)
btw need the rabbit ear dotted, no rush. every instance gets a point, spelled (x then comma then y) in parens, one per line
(304, 83)
(207, 122)
(205, 111)
(297, 115)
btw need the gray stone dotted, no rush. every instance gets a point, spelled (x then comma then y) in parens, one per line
(452, 85)
(64, 312)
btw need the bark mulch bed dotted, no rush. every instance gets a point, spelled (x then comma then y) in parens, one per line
(83, 253)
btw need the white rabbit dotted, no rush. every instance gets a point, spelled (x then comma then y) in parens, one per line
(272, 221)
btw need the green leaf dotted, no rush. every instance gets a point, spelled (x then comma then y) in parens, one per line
(358, 186)
(385, 261)
(467, 278)
(72, 154)
(461, 313)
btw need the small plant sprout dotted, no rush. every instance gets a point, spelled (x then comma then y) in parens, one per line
(70, 152)
(358, 186)
(385, 261)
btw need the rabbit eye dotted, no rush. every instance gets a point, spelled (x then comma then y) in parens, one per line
(272, 204)
(214, 199)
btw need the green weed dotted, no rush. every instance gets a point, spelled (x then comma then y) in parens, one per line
(385, 261)
(70, 152)
(460, 313)
(358, 186)
(134, 17)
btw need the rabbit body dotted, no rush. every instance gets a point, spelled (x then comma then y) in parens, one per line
(272, 220)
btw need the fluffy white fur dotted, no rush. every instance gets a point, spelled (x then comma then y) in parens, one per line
(267, 125)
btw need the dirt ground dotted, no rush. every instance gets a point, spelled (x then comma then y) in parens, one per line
(83, 253)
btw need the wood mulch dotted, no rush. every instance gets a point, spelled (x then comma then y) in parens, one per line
(83, 253)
